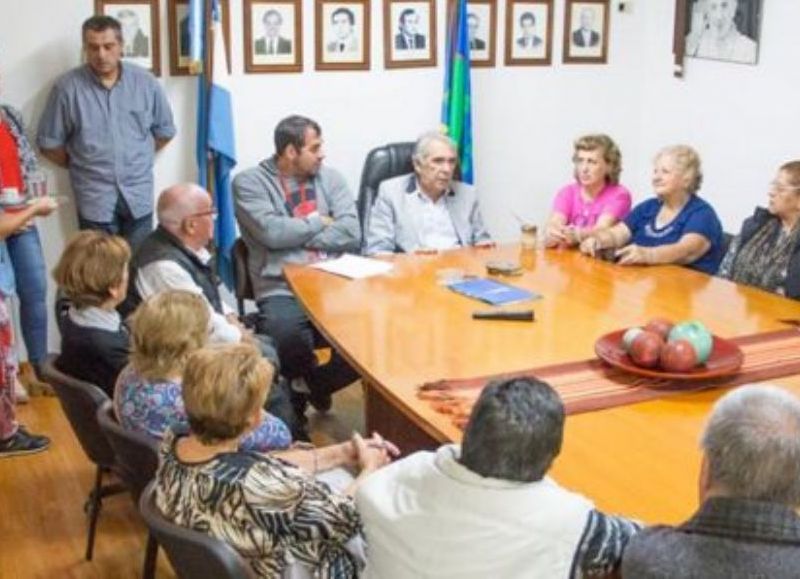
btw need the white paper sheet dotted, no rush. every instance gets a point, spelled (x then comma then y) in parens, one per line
(354, 266)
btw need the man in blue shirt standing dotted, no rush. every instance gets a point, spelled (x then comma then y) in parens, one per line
(104, 121)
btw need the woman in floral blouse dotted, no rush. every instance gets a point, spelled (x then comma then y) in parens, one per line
(166, 329)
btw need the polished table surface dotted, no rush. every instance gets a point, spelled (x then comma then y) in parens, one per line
(402, 329)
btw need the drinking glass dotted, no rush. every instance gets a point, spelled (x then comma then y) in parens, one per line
(37, 185)
(529, 235)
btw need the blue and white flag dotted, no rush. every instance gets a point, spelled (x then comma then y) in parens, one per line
(216, 145)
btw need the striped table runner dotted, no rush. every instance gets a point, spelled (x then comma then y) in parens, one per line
(590, 385)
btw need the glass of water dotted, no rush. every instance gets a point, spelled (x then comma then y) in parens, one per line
(37, 185)
(529, 236)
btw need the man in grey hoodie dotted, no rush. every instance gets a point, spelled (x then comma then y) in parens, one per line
(292, 209)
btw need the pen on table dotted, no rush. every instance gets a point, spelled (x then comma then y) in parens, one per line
(511, 316)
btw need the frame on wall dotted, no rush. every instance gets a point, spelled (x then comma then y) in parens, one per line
(273, 35)
(178, 33)
(342, 34)
(482, 31)
(586, 24)
(140, 30)
(731, 33)
(529, 32)
(409, 33)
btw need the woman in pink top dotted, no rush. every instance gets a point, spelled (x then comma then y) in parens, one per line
(595, 200)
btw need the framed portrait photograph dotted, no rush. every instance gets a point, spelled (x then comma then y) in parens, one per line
(273, 35)
(341, 30)
(178, 30)
(529, 32)
(723, 30)
(140, 30)
(586, 31)
(481, 27)
(409, 33)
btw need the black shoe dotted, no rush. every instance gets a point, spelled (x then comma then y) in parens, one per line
(299, 403)
(298, 422)
(23, 443)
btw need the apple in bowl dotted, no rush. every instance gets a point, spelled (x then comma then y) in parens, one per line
(697, 335)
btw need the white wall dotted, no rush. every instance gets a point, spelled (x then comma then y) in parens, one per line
(741, 118)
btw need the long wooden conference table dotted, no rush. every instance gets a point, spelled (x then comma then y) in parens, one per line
(403, 329)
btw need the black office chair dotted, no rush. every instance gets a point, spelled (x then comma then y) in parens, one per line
(193, 555)
(80, 401)
(242, 285)
(137, 461)
(726, 241)
(382, 163)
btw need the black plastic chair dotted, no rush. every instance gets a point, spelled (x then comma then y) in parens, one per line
(136, 453)
(381, 163)
(80, 401)
(137, 461)
(242, 285)
(193, 555)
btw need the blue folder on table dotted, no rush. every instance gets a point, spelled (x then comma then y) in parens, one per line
(492, 292)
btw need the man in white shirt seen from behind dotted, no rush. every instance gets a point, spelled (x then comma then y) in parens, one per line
(426, 209)
(486, 508)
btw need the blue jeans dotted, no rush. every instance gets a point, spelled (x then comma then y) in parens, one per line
(133, 229)
(25, 250)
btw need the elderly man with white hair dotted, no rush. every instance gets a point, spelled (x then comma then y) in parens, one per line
(747, 524)
(175, 257)
(426, 209)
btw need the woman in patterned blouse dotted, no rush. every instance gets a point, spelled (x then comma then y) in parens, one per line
(766, 253)
(275, 514)
(166, 329)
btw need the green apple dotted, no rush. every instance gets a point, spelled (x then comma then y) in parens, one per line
(697, 335)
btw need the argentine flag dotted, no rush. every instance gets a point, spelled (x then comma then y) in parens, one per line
(216, 145)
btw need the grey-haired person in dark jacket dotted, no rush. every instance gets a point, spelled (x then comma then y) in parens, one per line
(747, 524)
(766, 253)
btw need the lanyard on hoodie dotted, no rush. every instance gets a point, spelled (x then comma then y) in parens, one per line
(298, 205)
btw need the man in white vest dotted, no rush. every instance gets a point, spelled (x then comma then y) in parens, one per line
(487, 508)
